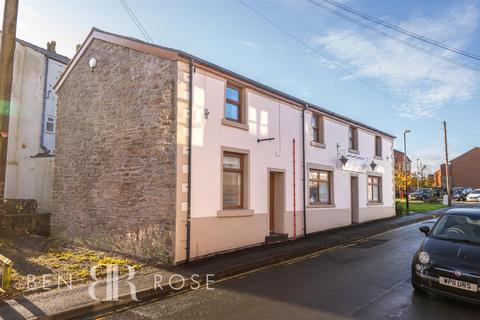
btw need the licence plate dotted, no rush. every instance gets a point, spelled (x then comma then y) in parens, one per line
(458, 284)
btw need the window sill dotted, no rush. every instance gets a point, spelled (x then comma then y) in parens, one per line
(225, 213)
(317, 144)
(313, 206)
(378, 158)
(353, 151)
(374, 203)
(235, 124)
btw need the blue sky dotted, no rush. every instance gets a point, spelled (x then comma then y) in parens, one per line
(417, 91)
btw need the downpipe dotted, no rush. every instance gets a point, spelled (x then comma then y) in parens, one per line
(44, 106)
(189, 182)
(303, 173)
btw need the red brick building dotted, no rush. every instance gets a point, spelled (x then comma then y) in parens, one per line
(438, 176)
(400, 160)
(464, 170)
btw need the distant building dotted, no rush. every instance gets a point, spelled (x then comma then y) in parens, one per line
(400, 160)
(31, 133)
(438, 176)
(464, 171)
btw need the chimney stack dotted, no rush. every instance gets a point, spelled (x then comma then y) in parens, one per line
(51, 46)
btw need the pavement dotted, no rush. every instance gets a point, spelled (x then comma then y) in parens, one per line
(66, 303)
(368, 280)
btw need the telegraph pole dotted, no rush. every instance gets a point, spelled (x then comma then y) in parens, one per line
(447, 171)
(7, 50)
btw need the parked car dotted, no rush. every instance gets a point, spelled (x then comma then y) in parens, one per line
(474, 195)
(448, 260)
(460, 194)
(438, 192)
(422, 194)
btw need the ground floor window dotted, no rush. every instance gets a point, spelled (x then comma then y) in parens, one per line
(320, 187)
(374, 189)
(233, 180)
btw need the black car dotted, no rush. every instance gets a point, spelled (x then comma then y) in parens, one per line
(448, 261)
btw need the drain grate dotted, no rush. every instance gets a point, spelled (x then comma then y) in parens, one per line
(370, 243)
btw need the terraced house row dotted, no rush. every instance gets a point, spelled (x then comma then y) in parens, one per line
(166, 156)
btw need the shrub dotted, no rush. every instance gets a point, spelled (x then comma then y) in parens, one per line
(400, 209)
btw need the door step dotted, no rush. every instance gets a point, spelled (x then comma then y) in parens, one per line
(276, 237)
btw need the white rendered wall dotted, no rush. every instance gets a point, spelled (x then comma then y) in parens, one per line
(29, 177)
(269, 118)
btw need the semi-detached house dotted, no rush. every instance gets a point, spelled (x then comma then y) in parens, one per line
(136, 173)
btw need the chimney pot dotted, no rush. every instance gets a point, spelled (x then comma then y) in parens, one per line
(77, 47)
(51, 46)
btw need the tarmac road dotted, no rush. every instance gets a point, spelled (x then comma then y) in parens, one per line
(370, 280)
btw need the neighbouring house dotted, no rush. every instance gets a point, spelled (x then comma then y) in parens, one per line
(136, 171)
(400, 160)
(399, 168)
(31, 132)
(438, 177)
(464, 171)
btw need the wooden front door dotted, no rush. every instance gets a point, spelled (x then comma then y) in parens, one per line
(354, 198)
(272, 202)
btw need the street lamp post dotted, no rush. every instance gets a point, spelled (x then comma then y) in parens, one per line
(405, 167)
(418, 180)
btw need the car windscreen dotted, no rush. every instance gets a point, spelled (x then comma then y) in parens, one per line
(458, 228)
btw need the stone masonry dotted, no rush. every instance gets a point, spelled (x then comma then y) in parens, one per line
(115, 166)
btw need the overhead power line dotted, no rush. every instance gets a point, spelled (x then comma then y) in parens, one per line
(303, 43)
(136, 21)
(402, 30)
(394, 38)
(464, 130)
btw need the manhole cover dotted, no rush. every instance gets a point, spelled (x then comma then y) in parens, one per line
(370, 243)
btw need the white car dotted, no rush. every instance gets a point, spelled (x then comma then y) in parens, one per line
(474, 195)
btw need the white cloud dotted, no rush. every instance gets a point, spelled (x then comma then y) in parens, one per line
(430, 156)
(422, 82)
(249, 44)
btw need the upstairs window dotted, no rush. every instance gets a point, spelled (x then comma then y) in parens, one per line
(50, 125)
(378, 146)
(233, 104)
(317, 129)
(353, 138)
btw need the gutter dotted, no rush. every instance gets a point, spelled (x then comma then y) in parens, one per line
(44, 106)
(189, 182)
(303, 173)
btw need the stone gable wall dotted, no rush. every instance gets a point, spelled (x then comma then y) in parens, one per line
(115, 166)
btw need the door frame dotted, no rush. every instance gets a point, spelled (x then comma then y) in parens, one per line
(281, 193)
(354, 212)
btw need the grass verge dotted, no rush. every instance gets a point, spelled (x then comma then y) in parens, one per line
(419, 206)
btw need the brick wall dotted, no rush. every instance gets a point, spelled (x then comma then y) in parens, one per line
(465, 169)
(114, 184)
